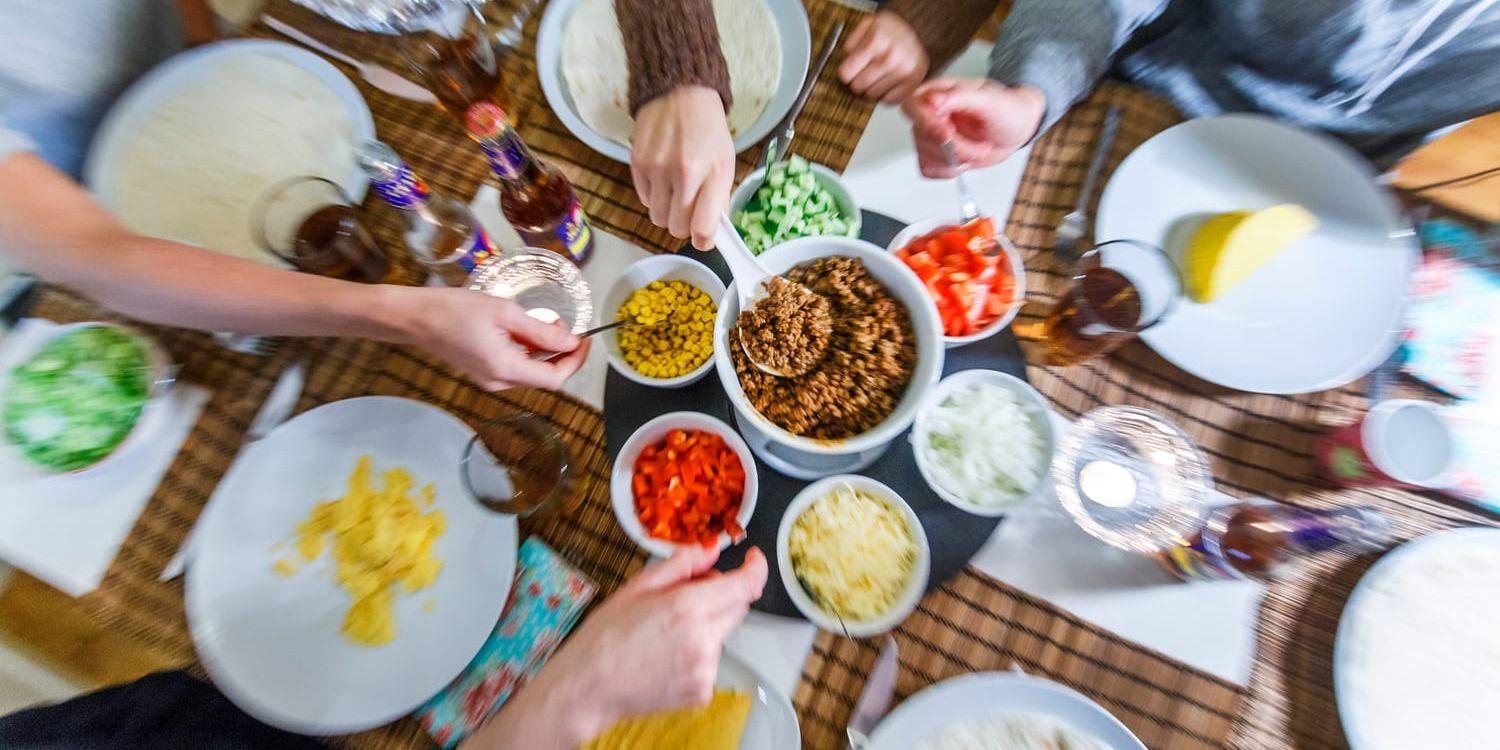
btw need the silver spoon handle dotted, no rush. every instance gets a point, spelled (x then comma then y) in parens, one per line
(968, 208)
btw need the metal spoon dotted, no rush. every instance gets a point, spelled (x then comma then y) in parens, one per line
(750, 279)
(379, 76)
(968, 211)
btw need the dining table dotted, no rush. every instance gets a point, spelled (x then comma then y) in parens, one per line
(1257, 445)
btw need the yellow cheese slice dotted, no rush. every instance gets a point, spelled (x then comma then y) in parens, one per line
(1230, 247)
(716, 726)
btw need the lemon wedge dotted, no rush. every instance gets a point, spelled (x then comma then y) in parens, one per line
(1230, 247)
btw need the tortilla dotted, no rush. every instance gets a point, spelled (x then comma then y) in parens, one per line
(594, 65)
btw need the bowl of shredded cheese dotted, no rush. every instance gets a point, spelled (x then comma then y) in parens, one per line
(853, 555)
(984, 441)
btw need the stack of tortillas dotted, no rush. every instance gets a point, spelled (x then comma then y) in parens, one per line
(594, 65)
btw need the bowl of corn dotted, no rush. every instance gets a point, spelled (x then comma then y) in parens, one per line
(671, 302)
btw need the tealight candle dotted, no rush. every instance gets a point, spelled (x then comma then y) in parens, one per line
(1107, 484)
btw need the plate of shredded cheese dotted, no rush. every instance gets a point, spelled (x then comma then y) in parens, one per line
(344, 574)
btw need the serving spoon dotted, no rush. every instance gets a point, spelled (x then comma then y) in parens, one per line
(750, 279)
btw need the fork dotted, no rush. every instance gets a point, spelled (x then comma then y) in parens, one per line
(248, 343)
(1075, 224)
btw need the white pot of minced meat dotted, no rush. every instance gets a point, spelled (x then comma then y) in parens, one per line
(884, 352)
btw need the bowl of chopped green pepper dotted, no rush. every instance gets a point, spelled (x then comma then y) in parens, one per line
(671, 302)
(793, 198)
(80, 397)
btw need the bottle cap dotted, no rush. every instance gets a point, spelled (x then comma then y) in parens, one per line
(485, 120)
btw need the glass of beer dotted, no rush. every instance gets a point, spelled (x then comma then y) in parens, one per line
(520, 465)
(311, 223)
(1118, 289)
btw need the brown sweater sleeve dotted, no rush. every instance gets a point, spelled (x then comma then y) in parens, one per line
(670, 43)
(944, 26)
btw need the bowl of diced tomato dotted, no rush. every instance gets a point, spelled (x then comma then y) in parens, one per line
(977, 292)
(682, 479)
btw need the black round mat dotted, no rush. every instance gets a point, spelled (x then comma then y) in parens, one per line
(953, 535)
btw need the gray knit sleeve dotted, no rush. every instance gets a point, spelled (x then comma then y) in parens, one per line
(1063, 46)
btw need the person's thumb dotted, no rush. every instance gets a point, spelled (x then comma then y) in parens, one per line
(749, 579)
(687, 563)
(551, 337)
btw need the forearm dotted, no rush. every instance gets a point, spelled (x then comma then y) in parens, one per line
(551, 712)
(671, 43)
(1062, 47)
(944, 26)
(52, 228)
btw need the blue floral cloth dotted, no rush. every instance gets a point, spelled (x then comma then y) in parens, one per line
(545, 602)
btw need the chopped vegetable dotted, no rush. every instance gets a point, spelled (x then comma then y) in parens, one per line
(688, 487)
(791, 204)
(674, 329)
(78, 398)
(971, 288)
(853, 552)
(983, 445)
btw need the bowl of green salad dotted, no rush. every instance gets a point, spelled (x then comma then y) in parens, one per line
(81, 395)
(793, 198)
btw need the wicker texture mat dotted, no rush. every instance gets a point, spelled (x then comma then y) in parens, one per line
(1258, 444)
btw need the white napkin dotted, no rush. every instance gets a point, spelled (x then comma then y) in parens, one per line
(66, 530)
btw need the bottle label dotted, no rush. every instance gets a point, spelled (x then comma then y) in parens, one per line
(401, 188)
(1195, 562)
(573, 233)
(506, 154)
(480, 248)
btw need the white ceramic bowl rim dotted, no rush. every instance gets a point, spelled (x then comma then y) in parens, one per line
(916, 583)
(622, 497)
(903, 285)
(655, 268)
(1041, 415)
(1012, 255)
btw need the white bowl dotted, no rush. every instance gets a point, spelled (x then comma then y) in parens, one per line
(637, 275)
(622, 497)
(916, 583)
(1041, 420)
(1017, 270)
(903, 285)
(161, 374)
(829, 179)
(790, 17)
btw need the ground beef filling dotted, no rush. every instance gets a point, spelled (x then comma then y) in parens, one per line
(872, 351)
(788, 329)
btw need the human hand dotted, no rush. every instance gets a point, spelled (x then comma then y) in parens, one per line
(487, 338)
(682, 161)
(884, 58)
(651, 646)
(986, 121)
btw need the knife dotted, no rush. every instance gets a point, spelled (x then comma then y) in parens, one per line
(277, 407)
(875, 700)
(781, 145)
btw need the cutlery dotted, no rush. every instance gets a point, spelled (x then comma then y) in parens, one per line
(968, 210)
(588, 333)
(379, 76)
(781, 144)
(247, 343)
(277, 407)
(875, 699)
(750, 278)
(1075, 225)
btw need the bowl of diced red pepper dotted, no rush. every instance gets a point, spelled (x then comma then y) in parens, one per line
(684, 478)
(972, 272)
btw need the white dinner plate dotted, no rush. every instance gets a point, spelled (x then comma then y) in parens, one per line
(1323, 312)
(773, 722)
(1352, 714)
(796, 50)
(272, 643)
(974, 697)
(137, 105)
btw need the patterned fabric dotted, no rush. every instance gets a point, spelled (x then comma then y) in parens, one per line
(548, 597)
(1451, 336)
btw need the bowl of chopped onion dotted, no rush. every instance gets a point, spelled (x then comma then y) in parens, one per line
(984, 441)
(852, 555)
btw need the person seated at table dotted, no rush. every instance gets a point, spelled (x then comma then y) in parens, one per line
(1381, 76)
(681, 154)
(652, 645)
(61, 65)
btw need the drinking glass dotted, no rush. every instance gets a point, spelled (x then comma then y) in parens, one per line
(1118, 289)
(310, 223)
(520, 465)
